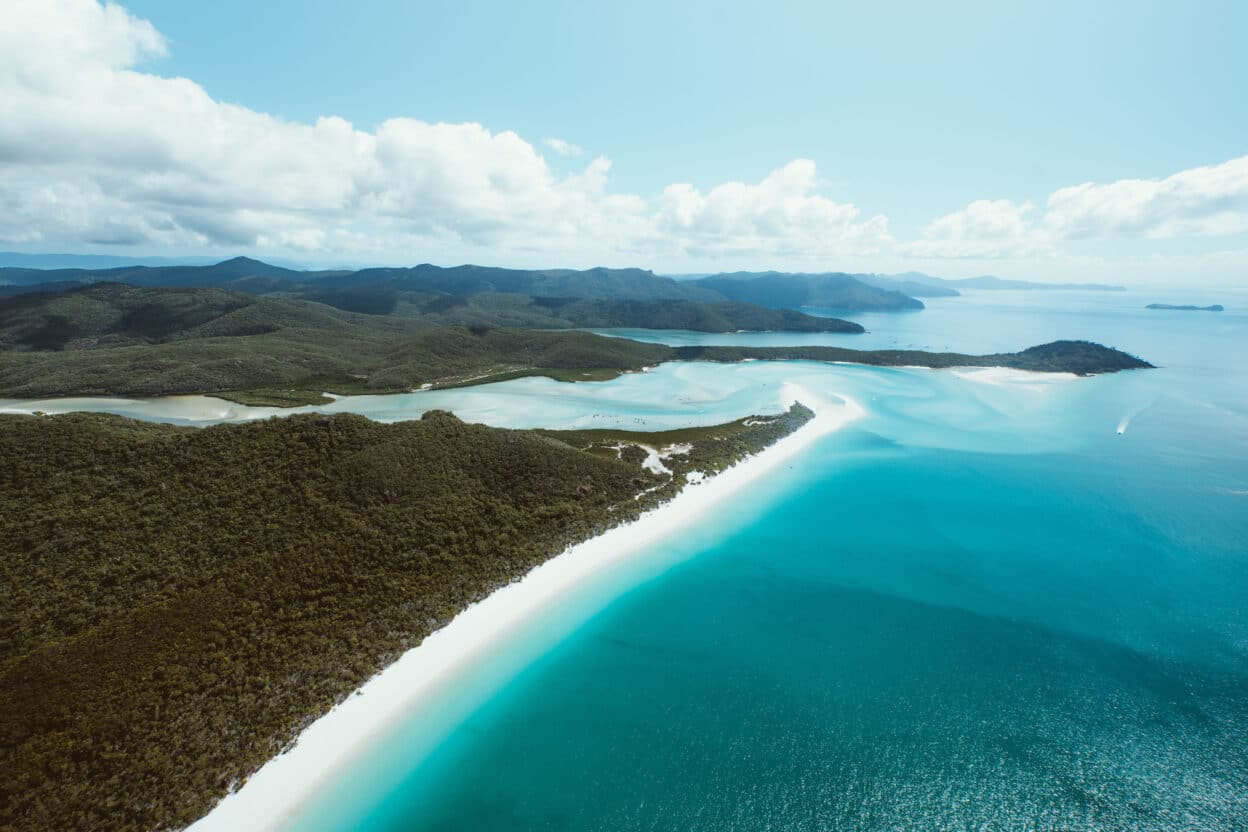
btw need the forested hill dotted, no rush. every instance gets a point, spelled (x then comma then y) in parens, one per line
(1079, 357)
(114, 339)
(381, 290)
(599, 283)
(180, 602)
(792, 290)
(560, 313)
(467, 295)
(103, 315)
(254, 275)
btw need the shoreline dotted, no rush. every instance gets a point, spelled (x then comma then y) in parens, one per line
(283, 786)
(202, 409)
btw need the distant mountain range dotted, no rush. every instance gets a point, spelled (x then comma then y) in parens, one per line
(821, 291)
(918, 284)
(990, 282)
(391, 290)
(536, 298)
(16, 259)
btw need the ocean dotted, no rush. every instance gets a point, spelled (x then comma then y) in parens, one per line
(997, 602)
(981, 607)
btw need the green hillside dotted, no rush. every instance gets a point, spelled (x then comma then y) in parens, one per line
(378, 290)
(113, 339)
(115, 314)
(825, 291)
(180, 602)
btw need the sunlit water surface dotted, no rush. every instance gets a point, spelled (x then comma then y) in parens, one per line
(989, 605)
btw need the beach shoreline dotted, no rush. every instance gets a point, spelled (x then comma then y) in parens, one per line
(284, 785)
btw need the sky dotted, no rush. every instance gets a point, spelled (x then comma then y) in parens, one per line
(1055, 141)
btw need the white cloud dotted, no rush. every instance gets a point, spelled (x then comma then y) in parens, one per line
(564, 148)
(780, 215)
(1203, 201)
(95, 150)
(985, 229)
(1211, 200)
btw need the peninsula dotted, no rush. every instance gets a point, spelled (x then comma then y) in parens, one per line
(182, 602)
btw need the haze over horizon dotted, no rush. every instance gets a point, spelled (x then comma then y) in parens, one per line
(1059, 144)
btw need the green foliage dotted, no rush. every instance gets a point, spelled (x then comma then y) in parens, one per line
(179, 602)
(517, 310)
(298, 364)
(113, 314)
(698, 316)
(1081, 357)
(122, 340)
(827, 291)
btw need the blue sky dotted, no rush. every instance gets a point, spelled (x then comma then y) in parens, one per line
(904, 114)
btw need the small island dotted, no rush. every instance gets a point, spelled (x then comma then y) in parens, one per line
(1217, 307)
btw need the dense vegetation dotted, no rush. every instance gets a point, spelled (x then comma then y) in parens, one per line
(490, 309)
(826, 291)
(115, 339)
(516, 310)
(730, 316)
(253, 275)
(179, 602)
(1080, 357)
(117, 314)
(385, 291)
(121, 340)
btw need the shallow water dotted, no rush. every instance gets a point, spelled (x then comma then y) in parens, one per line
(981, 607)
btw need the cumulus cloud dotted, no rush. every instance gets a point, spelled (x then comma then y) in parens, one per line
(97, 149)
(984, 229)
(93, 149)
(781, 214)
(1211, 200)
(564, 148)
(1203, 201)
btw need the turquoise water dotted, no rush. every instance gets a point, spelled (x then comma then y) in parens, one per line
(982, 607)
(988, 605)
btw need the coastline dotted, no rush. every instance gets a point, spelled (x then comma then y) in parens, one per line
(282, 786)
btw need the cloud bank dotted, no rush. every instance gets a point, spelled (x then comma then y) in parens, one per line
(94, 150)
(1209, 201)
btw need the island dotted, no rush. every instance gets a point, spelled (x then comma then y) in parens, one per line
(1217, 307)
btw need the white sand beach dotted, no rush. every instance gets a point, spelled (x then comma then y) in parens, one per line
(276, 792)
(1026, 379)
